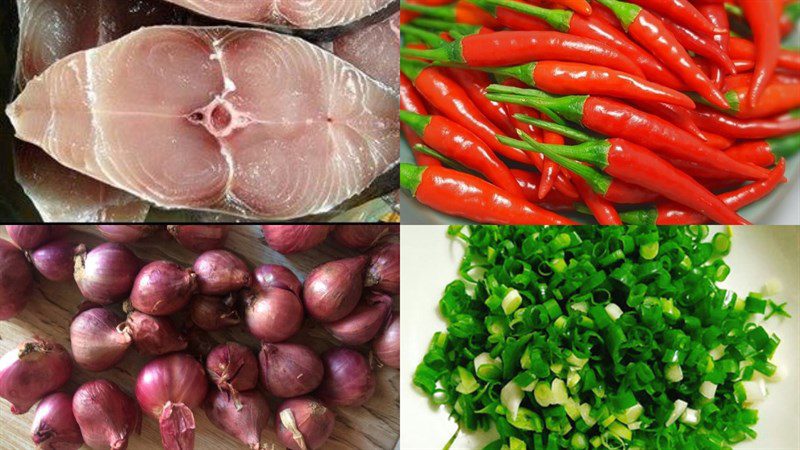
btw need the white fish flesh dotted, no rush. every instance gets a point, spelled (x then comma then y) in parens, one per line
(239, 121)
(50, 30)
(375, 49)
(297, 15)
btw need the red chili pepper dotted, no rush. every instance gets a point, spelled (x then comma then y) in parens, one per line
(700, 45)
(411, 101)
(716, 14)
(597, 29)
(470, 197)
(407, 16)
(612, 118)
(461, 11)
(601, 12)
(681, 12)
(475, 83)
(551, 169)
(671, 213)
(612, 189)
(735, 128)
(566, 78)
(550, 176)
(505, 48)
(650, 32)
(764, 153)
(717, 141)
(514, 20)
(456, 142)
(452, 101)
(742, 49)
(579, 6)
(529, 182)
(778, 96)
(761, 15)
(636, 164)
(674, 114)
(601, 209)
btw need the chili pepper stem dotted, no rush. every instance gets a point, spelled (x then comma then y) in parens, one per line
(558, 19)
(563, 130)
(411, 177)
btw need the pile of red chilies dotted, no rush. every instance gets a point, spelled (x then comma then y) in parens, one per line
(640, 111)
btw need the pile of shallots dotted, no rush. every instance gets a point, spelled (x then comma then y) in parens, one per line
(169, 311)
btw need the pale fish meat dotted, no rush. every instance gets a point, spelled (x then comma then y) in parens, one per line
(375, 49)
(239, 121)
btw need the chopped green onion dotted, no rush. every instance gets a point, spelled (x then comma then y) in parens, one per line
(677, 411)
(511, 397)
(708, 389)
(690, 417)
(511, 301)
(614, 311)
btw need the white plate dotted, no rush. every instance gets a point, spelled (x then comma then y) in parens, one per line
(430, 261)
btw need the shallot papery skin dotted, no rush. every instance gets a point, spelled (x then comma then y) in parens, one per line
(98, 343)
(162, 288)
(126, 234)
(16, 280)
(304, 423)
(220, 272)
(348, 380)
(332, 290)
(232, 367)
(105, 275)
(288, 239)
(154, 335)
(362, 237)
(383, 273)
(274, 275)
(54, 426)
(289, 370)
(199, 238)
(212, 313)
(273, 315)
(386, 345)
(29, 237)
(361, 325)
(243, 420)
(107, 416)
(55, 260)
(32, 370)
(167, 389)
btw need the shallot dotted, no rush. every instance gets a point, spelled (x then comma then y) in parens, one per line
(199, 238)
(107, 416)
(54, 426)
(362, 237)
(273, 275)
(105, 274)
(303, 423)
(348, 380)
(35, 368)
(154, 335)
(211, 313)
(167, 389)
(55, 260)
(273, 315)
(29, 237)
(332, 290)
(289, 370)
(232, 368)
(361, 325)
(220, 272)
(243, 420)
(162, 288)
(294, 238)
(383, 273)
(97, 339)
(126, 234)
(16, 280)
(387, 344)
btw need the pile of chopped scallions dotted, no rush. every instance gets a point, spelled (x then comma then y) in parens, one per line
(599, 337)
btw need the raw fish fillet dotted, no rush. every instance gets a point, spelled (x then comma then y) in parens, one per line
(240, 121)
(375, 49)
(294, 14)
(50, 30)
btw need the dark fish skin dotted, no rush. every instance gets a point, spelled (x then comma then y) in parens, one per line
(319, 34)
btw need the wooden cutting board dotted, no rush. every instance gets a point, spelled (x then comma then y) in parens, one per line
(376, 425)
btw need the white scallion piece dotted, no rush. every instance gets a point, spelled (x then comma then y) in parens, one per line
(511, 397)
(614, 311)
(708, 389)
(677, 410)
(673, 373)
(690, 417)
